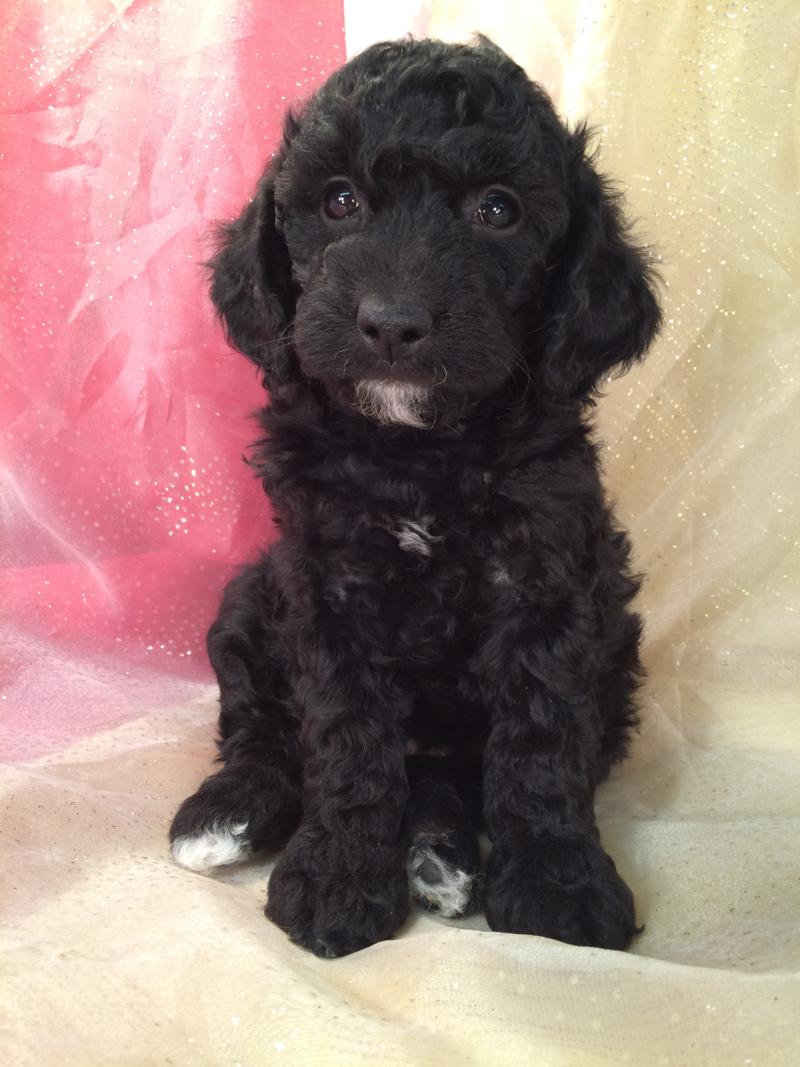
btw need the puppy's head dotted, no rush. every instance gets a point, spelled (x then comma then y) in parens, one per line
(428, 232)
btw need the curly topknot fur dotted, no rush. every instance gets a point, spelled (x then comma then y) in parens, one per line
(433, 279)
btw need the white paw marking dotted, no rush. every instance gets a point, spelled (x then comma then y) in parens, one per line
(415, 536)
(450, 894)
(397, 402)
(218, 847)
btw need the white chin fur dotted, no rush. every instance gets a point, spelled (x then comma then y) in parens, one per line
(392, 402)
(217, 847)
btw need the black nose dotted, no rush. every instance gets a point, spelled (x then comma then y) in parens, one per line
(393, 329)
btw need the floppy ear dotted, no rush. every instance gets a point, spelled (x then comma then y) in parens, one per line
(601, 312)
(251, 283)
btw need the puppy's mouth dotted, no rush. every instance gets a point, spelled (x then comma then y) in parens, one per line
(426, 373)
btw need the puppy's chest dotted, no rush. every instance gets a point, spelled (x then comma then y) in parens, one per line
(419, 533)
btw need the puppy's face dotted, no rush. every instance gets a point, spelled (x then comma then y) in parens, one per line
(418, 213)
(420, 237)
(419, 200)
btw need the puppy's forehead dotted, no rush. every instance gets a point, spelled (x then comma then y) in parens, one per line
(463, 116)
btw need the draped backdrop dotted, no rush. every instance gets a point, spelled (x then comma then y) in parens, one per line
(126, 130)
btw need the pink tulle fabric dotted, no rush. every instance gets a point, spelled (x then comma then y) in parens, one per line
(127, 131)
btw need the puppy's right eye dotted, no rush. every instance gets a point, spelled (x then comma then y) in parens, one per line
(498, 210)
(341, 203)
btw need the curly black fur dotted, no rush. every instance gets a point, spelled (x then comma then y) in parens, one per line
(441, 635)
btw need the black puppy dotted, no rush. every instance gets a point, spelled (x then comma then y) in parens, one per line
(433, 279)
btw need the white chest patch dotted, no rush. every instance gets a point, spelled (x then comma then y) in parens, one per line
(414, 535)
(218, 846)
(499, 574)
(395, 402)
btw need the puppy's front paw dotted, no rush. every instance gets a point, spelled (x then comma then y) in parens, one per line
(332, 901)
(231, 814)
(564, 888)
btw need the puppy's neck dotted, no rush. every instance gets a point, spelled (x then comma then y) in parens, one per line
(513, 419)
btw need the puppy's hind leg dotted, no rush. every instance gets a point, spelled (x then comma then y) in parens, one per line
(254, 801)
(444, 863)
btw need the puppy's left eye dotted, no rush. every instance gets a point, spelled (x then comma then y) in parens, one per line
(498, 210)
(341, 203)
